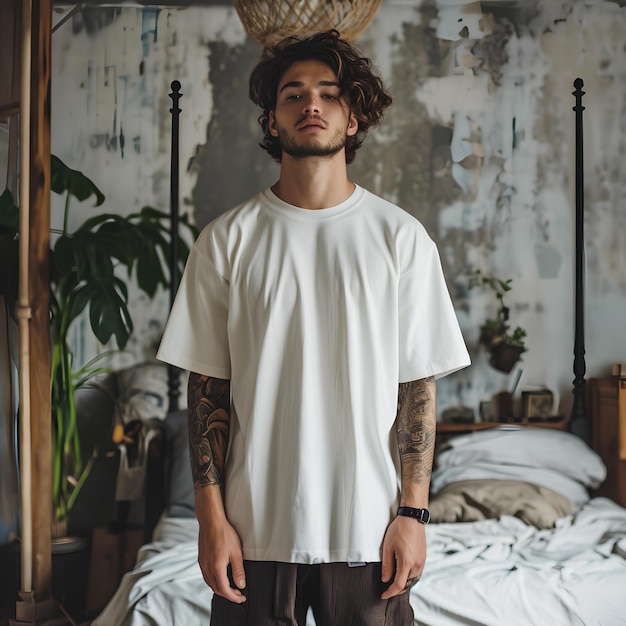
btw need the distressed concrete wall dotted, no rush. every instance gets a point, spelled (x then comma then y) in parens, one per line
(479, 146)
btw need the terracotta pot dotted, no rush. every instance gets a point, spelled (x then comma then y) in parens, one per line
(504, 356)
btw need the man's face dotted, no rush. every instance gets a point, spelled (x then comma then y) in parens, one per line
(311, 119)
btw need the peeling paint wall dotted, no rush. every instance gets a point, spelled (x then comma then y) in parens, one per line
(112, 76)
(479, 146)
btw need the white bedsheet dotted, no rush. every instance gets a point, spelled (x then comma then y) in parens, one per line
(491, 573)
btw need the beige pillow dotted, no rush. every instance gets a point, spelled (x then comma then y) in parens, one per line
(472, 500)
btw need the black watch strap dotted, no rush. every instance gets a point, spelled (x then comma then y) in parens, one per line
(421, 515)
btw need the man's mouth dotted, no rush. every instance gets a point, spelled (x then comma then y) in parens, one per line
(311, 123)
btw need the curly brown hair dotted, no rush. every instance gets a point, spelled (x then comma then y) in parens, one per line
(361, 89)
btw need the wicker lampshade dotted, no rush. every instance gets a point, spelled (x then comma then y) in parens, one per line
(269, 21)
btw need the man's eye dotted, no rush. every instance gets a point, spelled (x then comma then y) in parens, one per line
(329, 96)
(293, 96)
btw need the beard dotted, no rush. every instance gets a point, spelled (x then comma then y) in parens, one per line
(311, 146)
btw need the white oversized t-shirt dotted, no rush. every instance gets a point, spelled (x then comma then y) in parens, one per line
(315, 316)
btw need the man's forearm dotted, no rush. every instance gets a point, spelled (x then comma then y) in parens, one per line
(416, 428)
(208, 401)
(219, 545)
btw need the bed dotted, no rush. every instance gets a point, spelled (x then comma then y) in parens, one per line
(517, 537)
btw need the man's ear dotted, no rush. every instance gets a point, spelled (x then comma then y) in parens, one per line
(353, 125)
(271, 125)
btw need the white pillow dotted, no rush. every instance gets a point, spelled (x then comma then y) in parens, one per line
(484, 470)
(523, 448)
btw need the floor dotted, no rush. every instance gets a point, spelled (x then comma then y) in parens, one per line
(61, 618)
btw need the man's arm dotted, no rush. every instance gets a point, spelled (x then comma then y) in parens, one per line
(404, 545)
(208, 401)
(208, 414)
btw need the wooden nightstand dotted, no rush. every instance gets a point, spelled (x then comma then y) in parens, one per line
(606, 400)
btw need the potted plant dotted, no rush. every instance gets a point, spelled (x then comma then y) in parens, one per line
(88, 268)
(505, 347)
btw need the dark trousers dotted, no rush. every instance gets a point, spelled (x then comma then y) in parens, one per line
(339, 595)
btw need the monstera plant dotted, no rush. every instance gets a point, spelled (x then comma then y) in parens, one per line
(89, 270)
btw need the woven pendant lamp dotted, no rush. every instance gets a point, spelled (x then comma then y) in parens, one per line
(269, 21)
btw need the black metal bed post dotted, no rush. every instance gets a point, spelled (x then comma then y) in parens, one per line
(173, 372)
(579, 423)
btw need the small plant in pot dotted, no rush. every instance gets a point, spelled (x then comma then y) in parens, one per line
(89, 270)
(505, 346)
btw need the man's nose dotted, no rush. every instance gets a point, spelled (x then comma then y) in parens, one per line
(312, 105)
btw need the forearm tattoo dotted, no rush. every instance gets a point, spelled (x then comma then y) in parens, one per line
(415, 426)
(208, 414)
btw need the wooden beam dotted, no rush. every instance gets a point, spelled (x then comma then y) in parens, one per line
(39, 283)
(36, 605)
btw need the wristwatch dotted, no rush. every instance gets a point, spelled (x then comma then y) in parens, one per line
(421, 515)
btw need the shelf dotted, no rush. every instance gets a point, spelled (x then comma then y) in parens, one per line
(558, 422)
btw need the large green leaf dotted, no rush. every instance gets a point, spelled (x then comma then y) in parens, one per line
(63, 256)
(9, 216)
(64, 179)
(119, 235)
(9, 248)
(9, 252)
(108, 311)
(109, 314)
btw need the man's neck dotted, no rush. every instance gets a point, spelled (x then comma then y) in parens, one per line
(314, 183)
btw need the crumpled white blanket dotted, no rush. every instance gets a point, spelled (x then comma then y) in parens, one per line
(490, 573)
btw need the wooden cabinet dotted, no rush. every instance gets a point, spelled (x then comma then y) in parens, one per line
(606, 399)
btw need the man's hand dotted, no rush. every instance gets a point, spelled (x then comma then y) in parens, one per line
(404, 552)
(219, 546)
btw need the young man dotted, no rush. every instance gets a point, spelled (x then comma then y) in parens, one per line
(314, 319)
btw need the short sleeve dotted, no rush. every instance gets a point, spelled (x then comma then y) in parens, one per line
(430, 341)
(196, 333)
